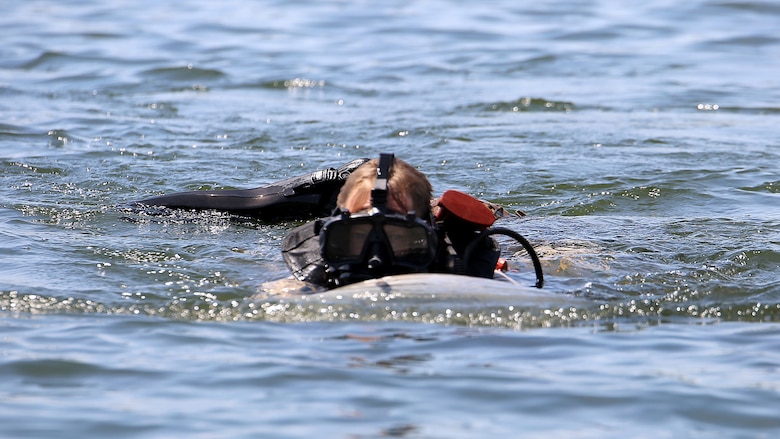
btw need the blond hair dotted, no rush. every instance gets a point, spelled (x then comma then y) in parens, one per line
(407, 186)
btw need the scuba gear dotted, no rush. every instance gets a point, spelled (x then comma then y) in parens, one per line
(363, 246)
(301, 253)
(467, 222)
(307, 195)
(455, 204)
(469, 251)
(459, 220)
(347, 248)
(347, 239)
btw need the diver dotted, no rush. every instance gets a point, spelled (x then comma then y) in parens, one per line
(382, 222)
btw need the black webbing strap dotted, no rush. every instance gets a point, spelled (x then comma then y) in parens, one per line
(379, 193)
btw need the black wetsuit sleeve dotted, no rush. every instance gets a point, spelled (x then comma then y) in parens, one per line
(303, 196)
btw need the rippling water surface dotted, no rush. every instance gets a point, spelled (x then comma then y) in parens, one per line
(641, 141)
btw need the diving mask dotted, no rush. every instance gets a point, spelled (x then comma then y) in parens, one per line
(378, 243)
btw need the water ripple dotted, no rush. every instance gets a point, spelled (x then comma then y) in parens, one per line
(640, 140)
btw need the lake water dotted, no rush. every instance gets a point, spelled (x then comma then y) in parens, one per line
(640, 139)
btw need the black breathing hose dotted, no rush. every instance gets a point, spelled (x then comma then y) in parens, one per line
(517, 237)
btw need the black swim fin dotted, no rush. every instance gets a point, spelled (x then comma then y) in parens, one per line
(299, 197)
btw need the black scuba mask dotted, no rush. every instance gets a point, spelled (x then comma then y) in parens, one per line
(405, 241)
(374, 244)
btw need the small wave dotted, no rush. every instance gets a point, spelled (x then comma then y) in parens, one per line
(747, 41)
(758, 7)
(612, 199)
(188, 73)
(22, 168)
(19, 134)
(292, 83)
(526, 104)
(50, 372)
(736, 109)
(46, 59)
(59, 138)
(770, 187)
(590, 35)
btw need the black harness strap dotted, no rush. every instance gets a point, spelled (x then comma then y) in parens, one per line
(379, 193)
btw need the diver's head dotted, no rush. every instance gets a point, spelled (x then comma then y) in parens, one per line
(407, 189)
(383, 226)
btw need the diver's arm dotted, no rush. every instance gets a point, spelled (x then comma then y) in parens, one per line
(305, 195)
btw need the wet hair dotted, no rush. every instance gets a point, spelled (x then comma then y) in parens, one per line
(407, 186)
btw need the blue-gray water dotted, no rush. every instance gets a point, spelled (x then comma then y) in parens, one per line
(641, 139)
